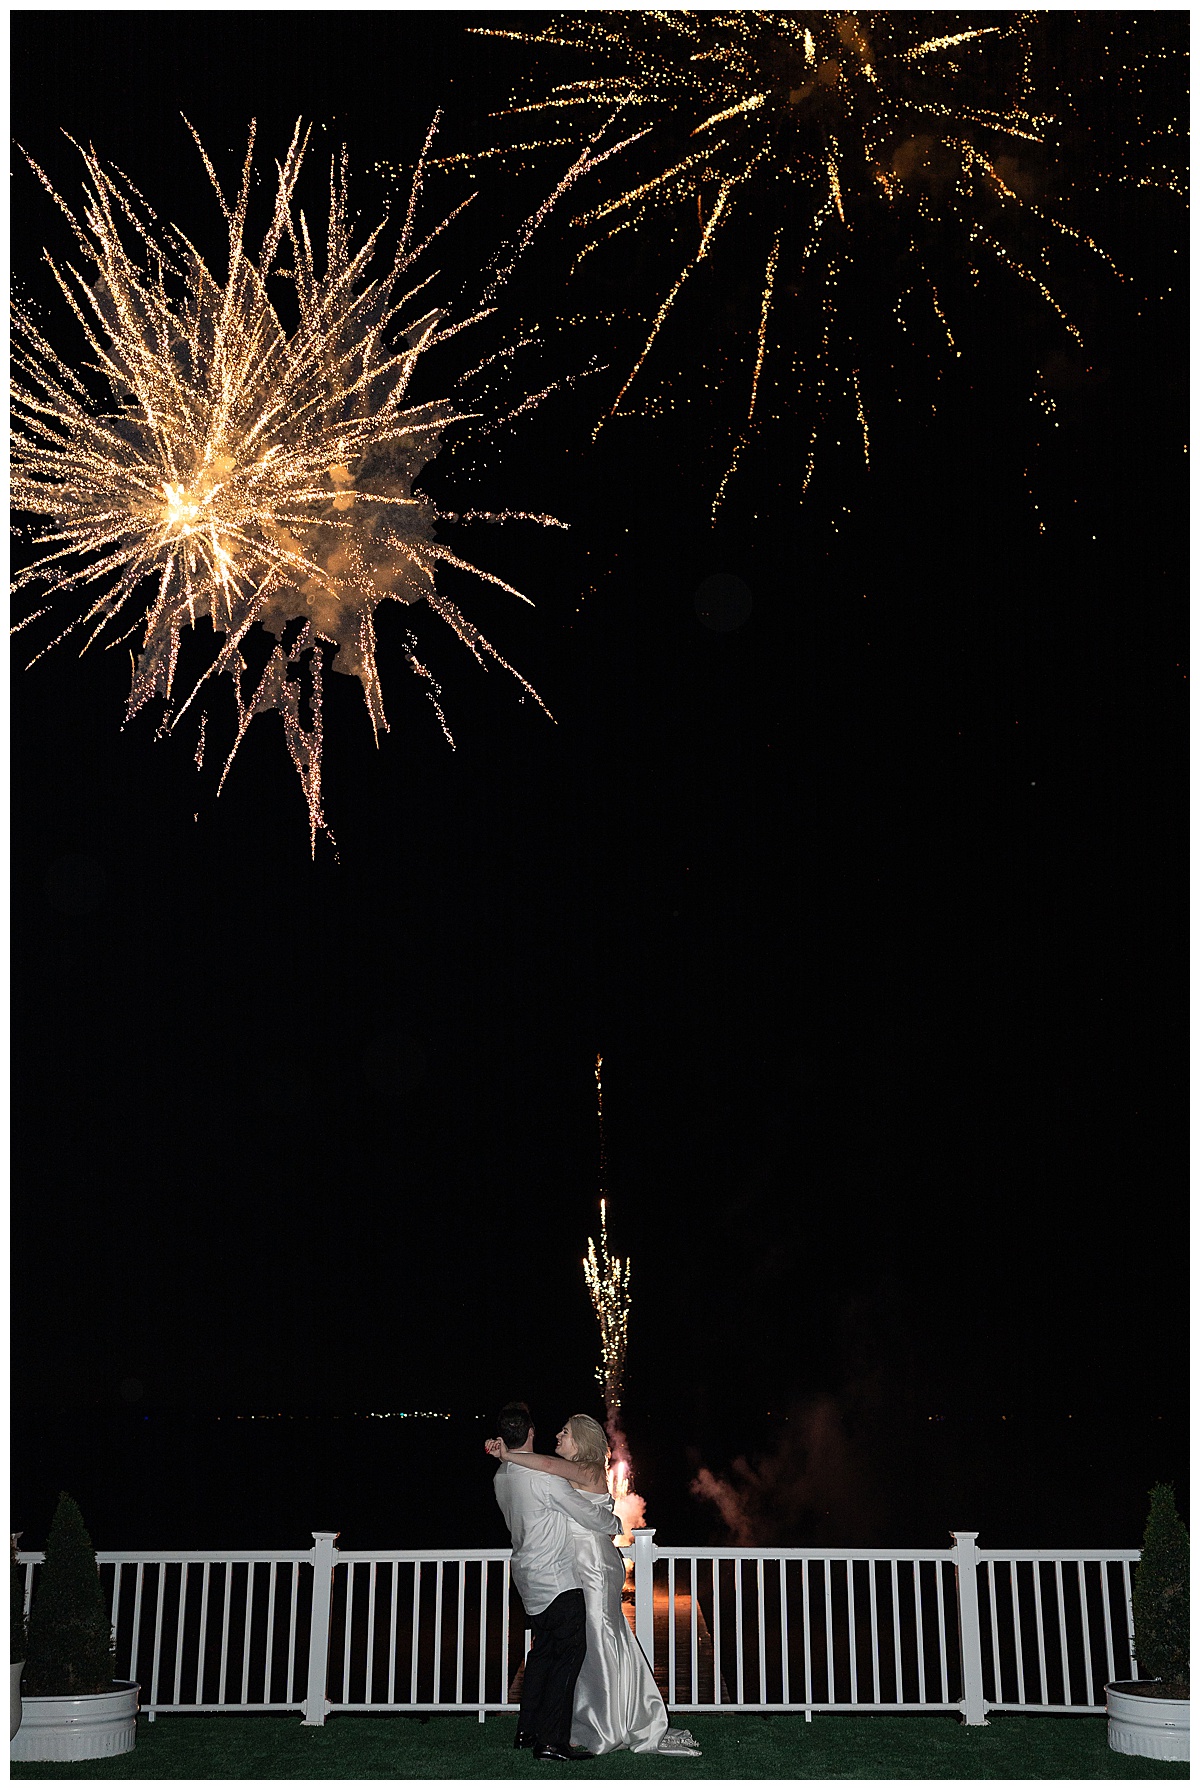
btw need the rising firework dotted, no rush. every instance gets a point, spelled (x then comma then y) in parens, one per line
(607, 1279)
(851, 157)
(240, 468)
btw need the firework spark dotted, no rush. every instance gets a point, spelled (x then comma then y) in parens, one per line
(255, 472)
(607, 1279)
(608, 1287)
(865, 151)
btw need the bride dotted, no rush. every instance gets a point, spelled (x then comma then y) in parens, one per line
(617, 1703)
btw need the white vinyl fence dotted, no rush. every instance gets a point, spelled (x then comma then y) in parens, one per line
(324, 1630)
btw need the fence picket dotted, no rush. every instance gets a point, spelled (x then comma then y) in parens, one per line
(920, 1616)
(371, 1630)
(350, 1564)
(416, 1611)
(695, 1590)
(504, 1636)
(437, 1631)
(269, 1656)
(1014, 1582)
(393, 1625)
(1043, 1662)
(997, 1687)
(804, 1573)
(943, 1659)
(1089, 1676)
(1062, 1630)
(1108, 1635)
(156, 1656)
(183, 1579)
(204, 1587)
(876, 1691)
(461, 1636)
(246, 1632)
(671, 1630)
(291, 1653)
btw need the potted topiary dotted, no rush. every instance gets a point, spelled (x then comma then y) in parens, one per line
(17, 1643)
(72, 1707)
(1149, 1715)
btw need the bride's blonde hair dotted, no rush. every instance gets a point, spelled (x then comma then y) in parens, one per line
(590, 1441)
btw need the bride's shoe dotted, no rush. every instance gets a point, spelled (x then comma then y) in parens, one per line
(680, 1743)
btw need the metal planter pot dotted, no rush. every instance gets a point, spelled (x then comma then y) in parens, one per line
(1151, 1727)
(95, 1727)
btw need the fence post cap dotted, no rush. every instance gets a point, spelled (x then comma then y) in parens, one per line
(325, 1534)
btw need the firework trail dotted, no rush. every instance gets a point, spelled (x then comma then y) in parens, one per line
(253, 472)
(864, 153)
(608, 1286)
(607, 1280)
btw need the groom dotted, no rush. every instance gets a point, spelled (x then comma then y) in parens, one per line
(536, 1507)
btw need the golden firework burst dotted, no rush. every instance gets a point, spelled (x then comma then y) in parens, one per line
(849, 146)
(240, 468)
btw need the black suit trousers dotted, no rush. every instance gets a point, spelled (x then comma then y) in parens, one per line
(548, 1687)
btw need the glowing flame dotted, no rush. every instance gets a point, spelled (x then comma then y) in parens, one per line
(629, 1506)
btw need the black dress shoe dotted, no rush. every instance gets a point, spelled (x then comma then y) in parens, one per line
(523, 1740)
(556, 1755)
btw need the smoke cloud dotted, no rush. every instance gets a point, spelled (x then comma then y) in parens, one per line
(816, 1486)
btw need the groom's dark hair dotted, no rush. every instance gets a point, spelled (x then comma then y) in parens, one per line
(515, 1422)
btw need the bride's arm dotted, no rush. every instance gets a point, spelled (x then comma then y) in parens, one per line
(588, 1479)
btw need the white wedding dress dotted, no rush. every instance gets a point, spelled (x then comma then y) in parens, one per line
(617, 1703)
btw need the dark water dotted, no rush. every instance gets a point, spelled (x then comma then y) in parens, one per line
(168, 1478)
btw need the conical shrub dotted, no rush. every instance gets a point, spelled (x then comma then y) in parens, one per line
(70, 1636)
(1160, 1597)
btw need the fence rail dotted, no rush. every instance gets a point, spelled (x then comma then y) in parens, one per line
(323, 1630)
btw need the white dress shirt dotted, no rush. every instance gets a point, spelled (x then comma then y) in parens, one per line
(539, 1509)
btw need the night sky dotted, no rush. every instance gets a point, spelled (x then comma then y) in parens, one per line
(875, 903)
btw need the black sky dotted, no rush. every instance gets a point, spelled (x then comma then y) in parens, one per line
(875, 905)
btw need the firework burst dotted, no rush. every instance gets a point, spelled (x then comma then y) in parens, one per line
(256, 472)
(848, 156)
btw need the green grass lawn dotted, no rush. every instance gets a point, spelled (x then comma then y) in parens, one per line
(735, 1746)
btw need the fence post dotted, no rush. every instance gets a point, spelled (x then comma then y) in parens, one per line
(966, 1557)
(324, 1558)
(644, 1555)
